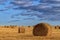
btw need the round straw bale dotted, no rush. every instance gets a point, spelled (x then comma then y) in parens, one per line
(42, 29)
(21, 30)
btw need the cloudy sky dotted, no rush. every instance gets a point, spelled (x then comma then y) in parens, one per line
(29, 12)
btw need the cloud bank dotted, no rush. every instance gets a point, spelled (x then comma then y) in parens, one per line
(43, 10)
(31, 9)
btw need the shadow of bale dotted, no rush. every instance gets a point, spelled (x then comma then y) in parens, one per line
(41, 29)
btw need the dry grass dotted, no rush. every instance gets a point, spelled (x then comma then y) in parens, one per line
(12, 34)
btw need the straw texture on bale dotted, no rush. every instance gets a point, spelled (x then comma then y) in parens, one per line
(41, 29)
(59, 27)
(21, 30)
(55, 27)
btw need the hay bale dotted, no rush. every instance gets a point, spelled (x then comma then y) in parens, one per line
(41, 29)
(29, 26)
(6, 26)
(21, 30)
(18, 29)
(55, 27)
(59, 27)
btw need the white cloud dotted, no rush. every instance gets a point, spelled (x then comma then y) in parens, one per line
(26, 3)
(47, 9)
(55, 0)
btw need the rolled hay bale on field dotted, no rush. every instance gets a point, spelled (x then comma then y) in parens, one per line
(42, 29)
(6, 26)
(29, 26)
(57, 27)
(21, 30)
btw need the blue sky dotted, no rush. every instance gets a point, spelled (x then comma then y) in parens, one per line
(29, 12)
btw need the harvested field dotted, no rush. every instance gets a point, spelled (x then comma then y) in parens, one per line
(17, 36)
(12, 34)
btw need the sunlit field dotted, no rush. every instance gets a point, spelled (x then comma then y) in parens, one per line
(8, 33)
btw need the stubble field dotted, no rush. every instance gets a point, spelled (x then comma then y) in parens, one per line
(12, 34)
